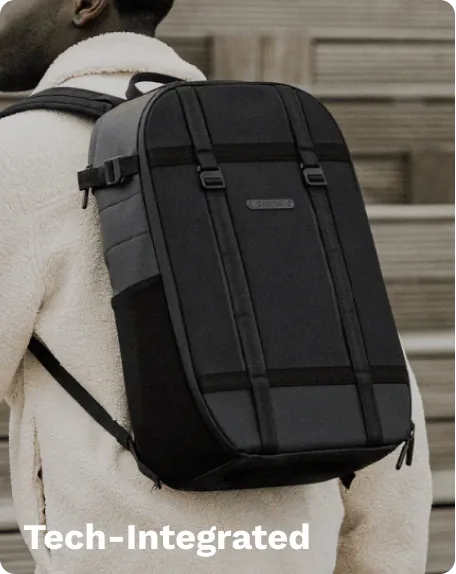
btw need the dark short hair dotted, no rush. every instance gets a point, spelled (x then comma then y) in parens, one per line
(147, 9)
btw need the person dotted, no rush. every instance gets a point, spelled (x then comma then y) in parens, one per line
(68, 474)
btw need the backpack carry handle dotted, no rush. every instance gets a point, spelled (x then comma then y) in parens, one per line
(132, 90)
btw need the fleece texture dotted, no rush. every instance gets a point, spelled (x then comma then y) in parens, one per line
(66, 470)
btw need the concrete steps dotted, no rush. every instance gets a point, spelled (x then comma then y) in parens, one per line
(208, 16)
(441, 541)
(15, 557)
(378, 122)
(431, 356)
(416, 250)
(366, 56)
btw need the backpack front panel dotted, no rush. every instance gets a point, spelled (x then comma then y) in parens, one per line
(250, 295)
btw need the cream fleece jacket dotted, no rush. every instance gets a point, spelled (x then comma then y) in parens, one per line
(54, 281)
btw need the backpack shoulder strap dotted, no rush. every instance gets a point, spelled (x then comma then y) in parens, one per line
(85, 103)
(91, 105)
(87, 402)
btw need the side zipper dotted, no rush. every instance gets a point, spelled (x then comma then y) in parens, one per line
(407, 450)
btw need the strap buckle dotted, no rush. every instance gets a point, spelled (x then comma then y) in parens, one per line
(314, 176)
(212, 179)
(114, 171)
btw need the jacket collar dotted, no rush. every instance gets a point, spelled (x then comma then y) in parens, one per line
(117, 53)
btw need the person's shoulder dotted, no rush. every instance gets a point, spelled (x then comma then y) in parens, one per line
(41, 131)
(41, 153)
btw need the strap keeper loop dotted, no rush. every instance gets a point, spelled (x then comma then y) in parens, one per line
(113, 171)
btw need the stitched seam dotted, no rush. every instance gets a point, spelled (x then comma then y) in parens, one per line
(119, 202)
(126, 241)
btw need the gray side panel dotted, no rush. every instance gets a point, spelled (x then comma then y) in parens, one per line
(126, 219)
(131, 262)
(128, 248)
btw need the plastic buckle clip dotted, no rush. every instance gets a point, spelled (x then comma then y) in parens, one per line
(113, 171)
(314, 177)
(212, 179)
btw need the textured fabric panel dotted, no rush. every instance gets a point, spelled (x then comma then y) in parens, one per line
(166, 126)
(230, 406)
(106, 144)
(395, 407)
(124, 220)
(171, 436)
(198, 271)
(322, 126)
(377, 322)
(255, 114)
(286, 268)
(127, 244)
(311, 418)
(131, 262)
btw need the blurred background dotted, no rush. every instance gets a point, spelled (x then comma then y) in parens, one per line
(385, 69)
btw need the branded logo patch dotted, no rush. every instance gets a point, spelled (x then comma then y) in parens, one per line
(256, 204)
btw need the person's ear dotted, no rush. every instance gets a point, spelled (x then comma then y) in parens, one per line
(86, 11)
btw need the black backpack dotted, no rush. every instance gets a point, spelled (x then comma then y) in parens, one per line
(258, 344)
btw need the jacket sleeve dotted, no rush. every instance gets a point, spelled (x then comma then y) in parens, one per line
(20, 290)
(387, 512)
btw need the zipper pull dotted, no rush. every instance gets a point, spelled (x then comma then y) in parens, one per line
(407, 450)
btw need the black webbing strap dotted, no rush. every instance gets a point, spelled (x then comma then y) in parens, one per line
(243, 310)
(91, 105)
(244, 152)
(88, 403)
(317, 186)
(79, 394)
(112, 172)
